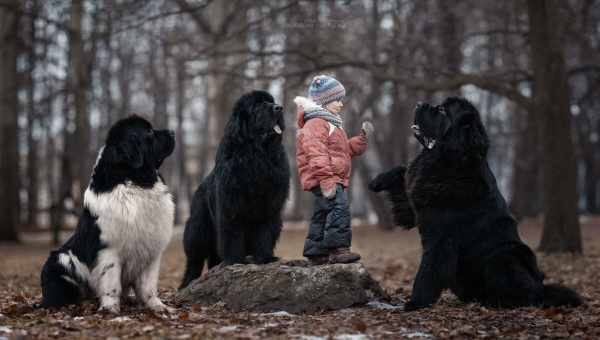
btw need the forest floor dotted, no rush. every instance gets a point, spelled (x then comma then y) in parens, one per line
(391, 256)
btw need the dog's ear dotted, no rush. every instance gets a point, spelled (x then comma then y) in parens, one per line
(128, 151)
(237, 126)
(445, 126)
(467, 118)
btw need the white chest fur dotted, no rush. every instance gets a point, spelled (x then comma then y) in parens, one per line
(135, 223)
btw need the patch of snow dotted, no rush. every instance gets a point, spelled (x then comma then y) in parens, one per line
(312, 337)
(383, 305)
(78, 318)
(359, 336)
(227, 329)
(148, 328)
(410, 334)
(280, 313)
(417, 335)
(120, 319)
(5, 329)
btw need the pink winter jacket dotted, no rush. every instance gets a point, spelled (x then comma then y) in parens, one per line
(324, 152)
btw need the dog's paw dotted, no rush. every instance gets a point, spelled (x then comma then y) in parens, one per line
(266, 260)
(218, 267)
(159, 307)
(413, 306)
(378, 184)
(110, 309)
(129, 300)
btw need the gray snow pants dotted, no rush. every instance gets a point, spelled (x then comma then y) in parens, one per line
(330, 223)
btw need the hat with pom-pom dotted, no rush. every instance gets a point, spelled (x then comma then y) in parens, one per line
(325, 89)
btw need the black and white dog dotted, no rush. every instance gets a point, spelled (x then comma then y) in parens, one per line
(126, 224)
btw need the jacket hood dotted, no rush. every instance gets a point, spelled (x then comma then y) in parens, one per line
(304, 104)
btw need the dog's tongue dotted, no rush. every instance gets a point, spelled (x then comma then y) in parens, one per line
(427, 142)
(277, 129)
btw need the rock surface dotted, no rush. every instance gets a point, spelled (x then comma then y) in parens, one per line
(292, 286)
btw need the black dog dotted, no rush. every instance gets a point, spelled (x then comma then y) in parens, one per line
(470, 240)
(126, 224)
(236, 211)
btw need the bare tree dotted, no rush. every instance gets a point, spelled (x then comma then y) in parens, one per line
(9, 114)
(186, 61)
(32, 172)
(80, 64)
(552, 105)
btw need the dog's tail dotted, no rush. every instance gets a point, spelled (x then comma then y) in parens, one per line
(556, 295)
(392, 182)
(196, 245)
(194, 266)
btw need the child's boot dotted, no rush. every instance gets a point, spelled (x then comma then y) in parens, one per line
(318, 260)
(343, 255)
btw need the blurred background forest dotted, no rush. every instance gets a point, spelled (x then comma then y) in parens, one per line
(70, 69)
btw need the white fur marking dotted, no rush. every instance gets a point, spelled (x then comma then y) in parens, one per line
(136, 226)
(70, 262)
(98, 159)
(106, 278)
(70, 280)
(65, 261)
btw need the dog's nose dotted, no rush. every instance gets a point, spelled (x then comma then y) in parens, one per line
(277, 108)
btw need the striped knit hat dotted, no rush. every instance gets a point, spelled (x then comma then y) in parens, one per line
(325, 89)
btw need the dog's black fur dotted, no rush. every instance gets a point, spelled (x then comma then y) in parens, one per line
(236, 211)
(132, 154)
(470, 240)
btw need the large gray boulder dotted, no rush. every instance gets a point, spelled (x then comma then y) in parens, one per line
(292, 286)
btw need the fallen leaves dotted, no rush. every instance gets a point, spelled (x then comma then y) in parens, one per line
(19, 291)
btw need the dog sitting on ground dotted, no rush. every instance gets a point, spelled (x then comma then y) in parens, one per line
(470, 240)
(236, 211)
(126, 224)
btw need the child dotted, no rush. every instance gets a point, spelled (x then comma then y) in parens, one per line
(323, 153)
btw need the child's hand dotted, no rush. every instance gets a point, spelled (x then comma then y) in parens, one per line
(367, 128)
(329, 194)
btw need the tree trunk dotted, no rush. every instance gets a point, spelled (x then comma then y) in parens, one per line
(125, 78)
(64, 189)
(80, 84)
(591, 184)
(203, 155)
(450, 40)
(9, 114)
(551, 97)
(32, 119)
(180, 103)
(587, 154)
(109, 113)
(525, 200)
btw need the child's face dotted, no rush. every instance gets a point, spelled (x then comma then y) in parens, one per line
(335, 107)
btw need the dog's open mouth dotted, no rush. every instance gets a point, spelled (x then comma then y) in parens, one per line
(277, 129)
(427, 142)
